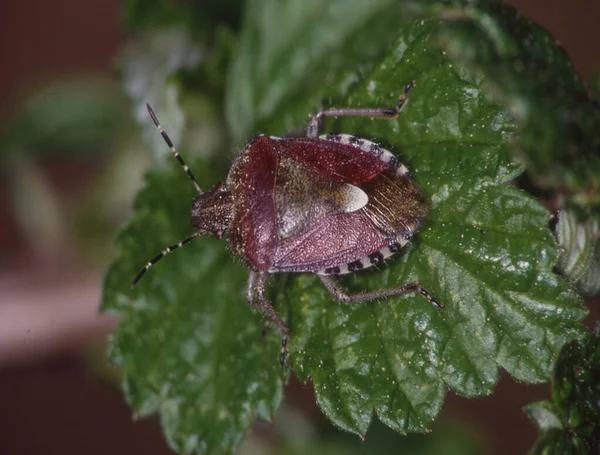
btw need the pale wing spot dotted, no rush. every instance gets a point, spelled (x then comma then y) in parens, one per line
(352, 198)
(303, 197)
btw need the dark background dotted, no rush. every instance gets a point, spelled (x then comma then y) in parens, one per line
(53, 399)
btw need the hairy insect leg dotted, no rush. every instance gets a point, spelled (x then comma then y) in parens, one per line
(341, 296)
(256, 287)
(316, 122)
(251, 289)
(250, 292)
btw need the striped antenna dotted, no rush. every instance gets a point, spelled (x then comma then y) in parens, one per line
(172, 147)
(158, 257)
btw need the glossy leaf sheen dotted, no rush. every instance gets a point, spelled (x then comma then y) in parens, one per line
(484, 252)
(189, 346)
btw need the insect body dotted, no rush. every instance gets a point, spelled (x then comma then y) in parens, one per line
(329, 205)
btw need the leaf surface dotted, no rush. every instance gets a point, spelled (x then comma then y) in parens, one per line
(292, 54)
(189, 346)
(526, 68)
(485, 252)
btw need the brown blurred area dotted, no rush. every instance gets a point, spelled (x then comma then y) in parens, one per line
(51, 401)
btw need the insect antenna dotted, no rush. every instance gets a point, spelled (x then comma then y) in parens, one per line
(173, 149)
(158, 257)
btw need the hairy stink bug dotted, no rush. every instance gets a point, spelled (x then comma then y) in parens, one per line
(329, 205)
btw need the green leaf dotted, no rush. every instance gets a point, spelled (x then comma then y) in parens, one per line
(576, 385)
(189, 347)
(580, 243)
(180, 76)
(594, 83)
(525, 68)
(66, 115)
(571, 424)
(545, 415)
(199, 16)
(147, 70)
(485, 252)
(292, 54)
(301, 434)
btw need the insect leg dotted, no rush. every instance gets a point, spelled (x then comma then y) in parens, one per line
(341, 296)
(250, 293)
(251, 289)
(173, 149)
(259, 281)
(314, 126)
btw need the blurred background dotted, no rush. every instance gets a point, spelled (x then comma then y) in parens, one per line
(71, 162)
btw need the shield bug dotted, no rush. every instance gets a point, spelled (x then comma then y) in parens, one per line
(330, 205)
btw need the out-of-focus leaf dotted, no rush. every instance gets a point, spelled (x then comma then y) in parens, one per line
(524, 67)
(36, 207)
(571, 424)
(147, 66)
(545, 415)
(176, 75)
(580, 244)
(594, 83)
(199, 16)
(66, 116)
(299, 435)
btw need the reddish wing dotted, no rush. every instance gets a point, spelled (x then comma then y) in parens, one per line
(333, 241)
(333, 160)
